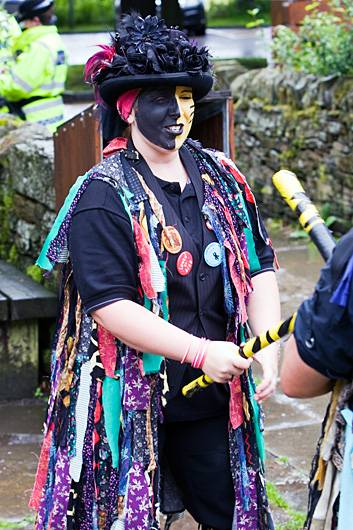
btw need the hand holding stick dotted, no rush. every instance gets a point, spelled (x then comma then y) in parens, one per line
(293, 193)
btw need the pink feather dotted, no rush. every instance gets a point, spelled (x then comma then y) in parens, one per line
(98, 61)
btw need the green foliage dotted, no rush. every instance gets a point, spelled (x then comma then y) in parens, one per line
(255, 21)
(322, 45)
(86, 12)
(38, 393)
(6, 202)
(233, 13)
(297, 519)
(34, 272)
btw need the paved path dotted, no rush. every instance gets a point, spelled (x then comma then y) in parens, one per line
(222, 43)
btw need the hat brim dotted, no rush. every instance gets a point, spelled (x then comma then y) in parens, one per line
(110, 89)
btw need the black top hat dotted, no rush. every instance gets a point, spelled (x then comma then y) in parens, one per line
(146, 53)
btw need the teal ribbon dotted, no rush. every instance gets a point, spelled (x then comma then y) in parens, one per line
(254, 262)
(112, 409)
(43, 261)
(257, 421)
(152, 363)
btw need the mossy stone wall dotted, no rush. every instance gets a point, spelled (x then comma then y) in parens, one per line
(298, 122)
(27, 196)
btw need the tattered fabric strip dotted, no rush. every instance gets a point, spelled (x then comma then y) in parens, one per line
(112, 410)
(81, 419)
(61, 491)
(42, 470)
(136, 386)
(145, 261)
(107, 350)
(46, 501)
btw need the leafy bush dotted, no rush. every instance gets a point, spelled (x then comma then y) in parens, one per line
(226, 8)
(323, 44)
(86, 12)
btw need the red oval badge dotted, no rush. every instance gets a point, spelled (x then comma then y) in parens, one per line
(184, 263)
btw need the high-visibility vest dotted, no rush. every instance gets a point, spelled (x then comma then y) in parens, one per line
(9, 31)
(34, 83)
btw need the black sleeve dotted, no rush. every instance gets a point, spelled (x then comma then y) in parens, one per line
(102, 250)
(324, 331)
(263, 248)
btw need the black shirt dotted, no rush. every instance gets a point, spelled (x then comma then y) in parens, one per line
(106, 269)
(323, 329)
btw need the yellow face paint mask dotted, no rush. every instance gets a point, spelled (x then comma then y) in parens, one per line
(186, 104)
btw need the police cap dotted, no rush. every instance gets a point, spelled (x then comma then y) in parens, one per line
(33, 8)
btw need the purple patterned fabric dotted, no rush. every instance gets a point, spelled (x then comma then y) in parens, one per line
(247, 519)
(138, 499)
(46, 500)
(137, 387)
(61, 491)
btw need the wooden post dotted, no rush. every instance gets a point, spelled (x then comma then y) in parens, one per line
(77, 147)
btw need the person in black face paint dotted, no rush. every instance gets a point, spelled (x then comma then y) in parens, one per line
(167, 260)
(164, 115)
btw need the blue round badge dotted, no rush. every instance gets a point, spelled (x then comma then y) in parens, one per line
(212, 254)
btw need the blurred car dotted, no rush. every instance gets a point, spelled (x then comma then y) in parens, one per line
(194, 16)
(192, 13)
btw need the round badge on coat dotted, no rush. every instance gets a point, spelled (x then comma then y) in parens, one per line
(184, 263)
(213, 255)
(171, 239)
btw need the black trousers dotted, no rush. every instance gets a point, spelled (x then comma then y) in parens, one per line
(198, 456)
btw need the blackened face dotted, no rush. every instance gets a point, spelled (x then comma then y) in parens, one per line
(164, 115)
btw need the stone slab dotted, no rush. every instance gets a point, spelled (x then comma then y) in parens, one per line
(27, 298)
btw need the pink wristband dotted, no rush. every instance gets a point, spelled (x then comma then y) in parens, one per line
(200, 356)
(187, 351)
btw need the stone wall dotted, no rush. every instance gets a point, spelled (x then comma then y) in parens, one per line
(298, 122)
(27, 197)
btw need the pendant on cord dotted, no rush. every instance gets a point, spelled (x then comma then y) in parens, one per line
(171, 239)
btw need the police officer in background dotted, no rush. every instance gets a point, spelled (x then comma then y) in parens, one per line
(33, 84)
(9, 31)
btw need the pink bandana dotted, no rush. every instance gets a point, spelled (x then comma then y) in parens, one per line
(126, 102)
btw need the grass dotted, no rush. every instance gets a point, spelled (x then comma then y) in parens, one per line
(252, 62)
(19, 524)
(283, 459)
(88, 28)
(236, 20)
(297, 519)
(74, 81)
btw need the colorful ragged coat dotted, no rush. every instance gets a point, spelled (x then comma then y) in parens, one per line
(99, 461)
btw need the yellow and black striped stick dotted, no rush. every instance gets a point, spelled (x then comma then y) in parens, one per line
(293, 193)
(246, 350)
